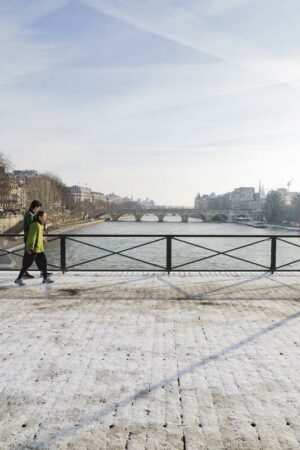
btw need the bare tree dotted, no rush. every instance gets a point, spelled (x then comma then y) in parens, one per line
(295, 209)
(49, 189)
(4, 180)
(275, 207)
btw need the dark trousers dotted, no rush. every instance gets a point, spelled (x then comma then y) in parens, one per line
(40, 260)
(25, 252)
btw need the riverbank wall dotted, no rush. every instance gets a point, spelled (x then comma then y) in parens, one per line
(14, 224)
(10, 223)
(16, 243)
(71, 226)
(269, 225)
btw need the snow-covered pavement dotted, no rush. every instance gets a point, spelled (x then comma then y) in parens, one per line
(150, 361)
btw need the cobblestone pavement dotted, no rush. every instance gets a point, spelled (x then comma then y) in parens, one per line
(151, 361)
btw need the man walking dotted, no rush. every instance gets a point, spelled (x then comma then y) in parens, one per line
(34, 250)
(28, 219)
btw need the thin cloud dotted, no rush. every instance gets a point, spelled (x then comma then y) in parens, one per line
(184, 26)
(147, 92)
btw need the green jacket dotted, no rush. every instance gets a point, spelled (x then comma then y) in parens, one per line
(35, 238)
(28, 218)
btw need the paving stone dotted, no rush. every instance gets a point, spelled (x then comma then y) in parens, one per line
(149, 361)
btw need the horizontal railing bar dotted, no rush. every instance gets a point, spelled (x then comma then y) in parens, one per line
(153, 270)
(165, 235)
(118, 270)
(222, 270)
(162, 271)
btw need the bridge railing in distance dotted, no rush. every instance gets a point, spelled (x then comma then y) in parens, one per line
(160, 253)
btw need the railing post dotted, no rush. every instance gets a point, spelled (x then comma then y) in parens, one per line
(273, 254)
(63, 253)
(169, 254)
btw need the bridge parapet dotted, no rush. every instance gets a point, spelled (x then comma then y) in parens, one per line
(184, 213)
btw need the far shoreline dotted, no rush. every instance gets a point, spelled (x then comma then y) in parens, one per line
(74, 226)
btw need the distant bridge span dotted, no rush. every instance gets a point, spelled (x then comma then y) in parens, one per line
(207, 215)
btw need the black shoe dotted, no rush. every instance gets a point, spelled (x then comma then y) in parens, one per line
(48, 274)
(47, 281)
(27, 276)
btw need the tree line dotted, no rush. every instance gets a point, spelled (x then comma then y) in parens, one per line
(4, 178)
(282, 207)
(46, 187)
(279, 206)
(50, 190)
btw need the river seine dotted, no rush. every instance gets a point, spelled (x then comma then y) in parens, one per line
(94, 253)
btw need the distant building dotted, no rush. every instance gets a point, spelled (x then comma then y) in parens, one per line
(239, 198)
(113, 198)
(243, 194)
(261, 190)
(197, 202)
(25, 173)
(211, 201)
(147, 203)
(16, 195)
(80, 193)
(97, 196)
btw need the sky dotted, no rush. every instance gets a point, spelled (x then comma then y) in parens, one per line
(153, 98)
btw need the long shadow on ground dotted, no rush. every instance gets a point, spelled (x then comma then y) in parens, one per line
(45, 440)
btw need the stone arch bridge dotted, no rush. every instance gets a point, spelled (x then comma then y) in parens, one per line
(221, 215)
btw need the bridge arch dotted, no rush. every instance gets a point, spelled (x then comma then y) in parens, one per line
(150, 214)
(105, 216)
(198, 216)
(242, 218)
(178, 215)
(219, 218)
(128, 215)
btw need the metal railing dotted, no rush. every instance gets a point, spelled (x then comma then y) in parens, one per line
(10, 248)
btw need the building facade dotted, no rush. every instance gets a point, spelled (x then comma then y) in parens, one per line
(80, 193)
(240, 198)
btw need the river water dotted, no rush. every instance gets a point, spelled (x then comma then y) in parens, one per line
(96, 253)
(183, 253)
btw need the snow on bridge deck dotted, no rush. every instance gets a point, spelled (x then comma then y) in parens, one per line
(150, 361)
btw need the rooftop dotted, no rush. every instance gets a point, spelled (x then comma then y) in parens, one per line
(150, 361)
